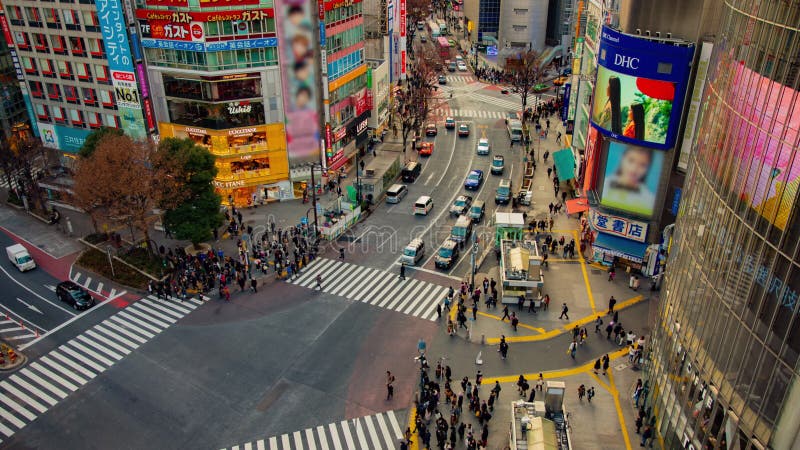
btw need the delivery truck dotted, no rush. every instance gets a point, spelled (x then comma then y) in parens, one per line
(19, 256)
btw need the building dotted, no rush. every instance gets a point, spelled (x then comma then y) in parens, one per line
(378, 84)
(723, 369)
(348, 102)
(523, 24)
(12, 110)
(214, 77)
(77, 65)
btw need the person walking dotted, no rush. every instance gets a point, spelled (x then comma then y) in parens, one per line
(402, 271)
(505, 313)
(639, 422)
(389, 385)
(496, 389)
(319, 282)
(597, 324)
(590, 394)
(564, 311)
(581, 392)
(597, 365)
(605, 363)
(573, 347)
(341, 253)
(646, 435)
(253, 285)
(611, 302)
(514, 321)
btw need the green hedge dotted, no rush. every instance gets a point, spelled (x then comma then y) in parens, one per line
(97, 262)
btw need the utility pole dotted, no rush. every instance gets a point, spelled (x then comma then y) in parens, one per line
(474, 256)
(314, 202)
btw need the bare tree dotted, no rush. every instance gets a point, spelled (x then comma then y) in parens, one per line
(20, 156)
(527, 70)
(416, 11)
(413, 103)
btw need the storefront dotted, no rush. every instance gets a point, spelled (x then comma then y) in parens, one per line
(251, 161)
(618, 240)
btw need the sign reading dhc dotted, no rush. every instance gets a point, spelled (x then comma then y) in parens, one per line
(626, 61)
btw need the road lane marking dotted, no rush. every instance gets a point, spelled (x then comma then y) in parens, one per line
(34, 293)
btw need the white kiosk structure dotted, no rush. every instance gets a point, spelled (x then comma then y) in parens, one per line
(520, 270)
(540, 425)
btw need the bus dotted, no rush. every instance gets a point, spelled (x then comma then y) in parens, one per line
(442, 27)
(434, 29)
(443, 46)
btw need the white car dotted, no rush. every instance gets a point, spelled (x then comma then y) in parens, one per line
(483, 146)
(462, 67)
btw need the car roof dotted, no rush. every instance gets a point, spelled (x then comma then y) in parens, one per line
(476, 172)
(462, 197)
(69, 285)
(463, 125)
(422, 199)
(450, 118)
(499, 157)
(483, 141)
(449, 243)
(478, 203)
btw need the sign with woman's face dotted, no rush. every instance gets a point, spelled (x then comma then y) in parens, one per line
(631, 179)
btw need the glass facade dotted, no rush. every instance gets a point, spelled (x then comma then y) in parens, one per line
(723, 368)
(488, 17)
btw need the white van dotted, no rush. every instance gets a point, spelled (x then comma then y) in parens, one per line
(19, 256)
(413, 252)
(514, 130)
(423, 205)
(396, 193)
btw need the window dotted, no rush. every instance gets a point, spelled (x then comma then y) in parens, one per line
(47, 68)
(82, 70)
(29, 64)
(77, 46)
(111, 120)
(59, 44)
(15, 15)
(22, 40)
(107, 99)
(71, 20)
(42, 112)
(53, 91)
(89, 96)
(90, 21)
(34, 18)
(96, 48)
(71, 94)
(36, 89)
(76, 117)
(64, 70)
(101, 72)
(59, 115)
(95, 121)
(52, 18)
(40, 42)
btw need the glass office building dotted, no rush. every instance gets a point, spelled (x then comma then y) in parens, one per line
(723, 369)
(488, 18)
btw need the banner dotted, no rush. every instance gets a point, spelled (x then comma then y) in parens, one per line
(565, 102)
(618, 226)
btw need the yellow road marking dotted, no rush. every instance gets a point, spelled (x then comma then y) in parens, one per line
(585, 276)
(554, 373)
(492, 316)
(412, 423)
(615, 395)
(568, 327)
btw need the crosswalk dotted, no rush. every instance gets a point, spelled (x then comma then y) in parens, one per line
(376, 432)
(466, 113)
(15, 331)
(14, 176)
(42, 384)
(95, 286)
(513, 103)
(465, 79)
(375, 287)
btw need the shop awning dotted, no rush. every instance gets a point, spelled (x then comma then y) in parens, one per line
(621, 247)
(577, 205)
(565, 164)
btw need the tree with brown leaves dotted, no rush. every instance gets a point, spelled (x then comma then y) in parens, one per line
(125, 181)
(413, 102)
(527, 71)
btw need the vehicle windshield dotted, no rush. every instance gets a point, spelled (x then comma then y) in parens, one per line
(445, 252)
(516, 132)
(474, 177)
(476, 210)
(458, 231)
(497, 162)
(502, 191)
(24, 259)
(409, 252)
(79, 296)
(461, 202)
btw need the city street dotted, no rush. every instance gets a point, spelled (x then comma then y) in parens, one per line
(297, 365)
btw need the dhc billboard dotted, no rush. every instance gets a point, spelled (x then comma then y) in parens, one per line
(640, 88)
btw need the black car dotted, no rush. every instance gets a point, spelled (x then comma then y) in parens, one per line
(74, 295)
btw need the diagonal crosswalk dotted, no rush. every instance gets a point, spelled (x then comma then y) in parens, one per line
(375, 287)
(460, 79)
(468, 113)
(42, 384)
(514, 102)
(378, 431)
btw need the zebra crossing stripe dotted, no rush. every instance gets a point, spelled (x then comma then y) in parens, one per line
(356, 277)
(117, 321)
(297, 439)
(32, 389)
(108, 334)
(148, 316)
(285, 441)
(18, 408)
(5, 430)
(63, 370)
(374, 295)
(260, 445)
(370, 278)
(83, 359)
(64, 360)
(346, 271)
(22, 396)
(324, 273)
(348, 438)
(101, 348)
(38, 380)
(79, 347)
(139, 322)
(406, 294)
(109, 342)
(421, 299)
(323, 439)
(170, 312)
(312, 269)
(393, 288)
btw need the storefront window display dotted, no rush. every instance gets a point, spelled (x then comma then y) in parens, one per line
(235, 89)
(257, 164)
(216, 116)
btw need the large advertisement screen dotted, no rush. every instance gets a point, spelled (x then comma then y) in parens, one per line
(631, 177)
(640, 88)
(296, 49)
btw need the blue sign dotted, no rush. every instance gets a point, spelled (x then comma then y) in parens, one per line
(640, 88)
(66, 139)
(565, 102)
(676, 201)
(491, 50)
(322, 33)
(304, 220)
(135, 46)
(201, 47)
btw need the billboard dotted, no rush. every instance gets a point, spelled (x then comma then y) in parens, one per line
(619, 226)
(631, 176)
(695, 104)
(120, 64)
(296, 50)
(640, 88)
(62, 138)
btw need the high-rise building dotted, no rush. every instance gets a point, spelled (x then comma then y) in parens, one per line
(723, 370)
(214, 77)
(12, 108)
(78, 69)
(523, 24)
(348, 103)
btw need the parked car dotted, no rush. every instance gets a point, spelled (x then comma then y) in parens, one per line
(426, 149)
(449, 123)
(498, 164)
(463, 130)
(442, 79)
(74, 295)
(460, 205)
(474, 180)
(430, 130)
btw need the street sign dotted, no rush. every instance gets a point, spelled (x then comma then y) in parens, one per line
(304, 220)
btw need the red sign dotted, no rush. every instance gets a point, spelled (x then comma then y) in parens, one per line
(333, 4)
(321, 10)
(6, 30)
(403, 61)
(403, 19)
(175, 3)
(224, 3)
(123, 76)
(189, 17)
(148, 112)
(160, 29)
(328, 140)
(340, 134)
(337, 160)
(360, 102)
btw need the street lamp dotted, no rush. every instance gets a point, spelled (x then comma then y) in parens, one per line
(314, 196)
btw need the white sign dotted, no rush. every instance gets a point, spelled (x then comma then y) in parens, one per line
(619, 226)
(239, 108)
(48, 135)
(694, 104)
(126, 90)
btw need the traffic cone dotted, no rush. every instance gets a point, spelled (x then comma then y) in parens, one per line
(12, 355)
(22, 325)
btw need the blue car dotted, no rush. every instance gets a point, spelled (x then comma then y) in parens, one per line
(474, 180)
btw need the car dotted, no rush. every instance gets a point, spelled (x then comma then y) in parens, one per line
(449, 123)
(511, 115)
(462, 67)
(426, 149)
(74, 295)
(566, 72)
(460, 205)
(451, 67)
(447, 254)
(430, 129)
(442, 79)
(498, 164)
(474, 180)
(560, 81)
(483, 146)
(463, 130)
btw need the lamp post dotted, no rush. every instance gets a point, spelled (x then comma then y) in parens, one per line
(314, 198)
(476, 55)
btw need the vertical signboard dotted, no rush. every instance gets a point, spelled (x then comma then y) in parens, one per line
(403, 44)
(694, 104)
(296, 49)
(120, 63)
(565, 102)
